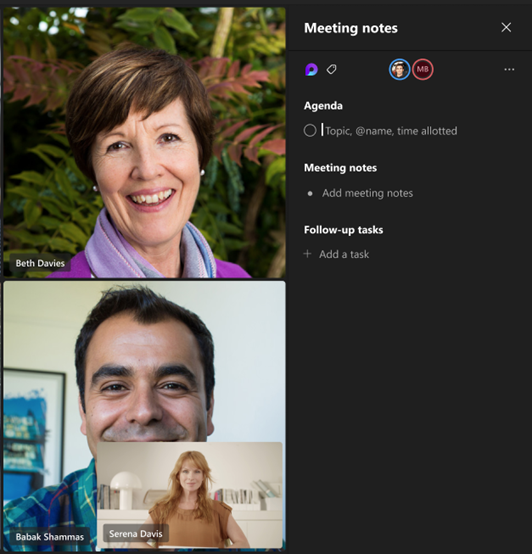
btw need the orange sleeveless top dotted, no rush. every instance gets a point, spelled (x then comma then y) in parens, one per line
(185, 530)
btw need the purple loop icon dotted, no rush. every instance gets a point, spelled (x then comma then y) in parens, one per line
(311, 70)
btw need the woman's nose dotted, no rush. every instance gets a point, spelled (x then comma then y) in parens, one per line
(146, 166)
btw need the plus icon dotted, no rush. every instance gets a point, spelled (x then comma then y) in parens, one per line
(307, 253)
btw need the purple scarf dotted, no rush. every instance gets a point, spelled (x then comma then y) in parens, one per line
(110, 255)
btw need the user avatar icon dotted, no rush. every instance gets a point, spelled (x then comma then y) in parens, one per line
(399, 69)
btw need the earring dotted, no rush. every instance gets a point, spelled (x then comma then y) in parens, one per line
(202, 172)
(95, 188)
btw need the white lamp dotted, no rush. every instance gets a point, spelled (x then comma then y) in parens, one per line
(125, 482)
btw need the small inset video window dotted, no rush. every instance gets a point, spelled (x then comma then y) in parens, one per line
(202, 495)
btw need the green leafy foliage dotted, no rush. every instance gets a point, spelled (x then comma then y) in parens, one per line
(50, 205)
(58, 211)
(155, 24)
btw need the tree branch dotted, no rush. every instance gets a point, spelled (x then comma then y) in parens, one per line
(222, 32)
(277, 267)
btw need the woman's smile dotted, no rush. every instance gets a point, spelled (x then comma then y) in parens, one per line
(151, 198)
(151, 201)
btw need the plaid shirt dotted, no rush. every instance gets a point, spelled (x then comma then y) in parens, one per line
(70, 504)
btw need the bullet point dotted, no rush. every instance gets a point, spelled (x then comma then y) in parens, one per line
(310, 193)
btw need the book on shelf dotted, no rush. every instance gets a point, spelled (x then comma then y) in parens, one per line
(239, 499)
(115, 500)
(108, 499)
(104, 497)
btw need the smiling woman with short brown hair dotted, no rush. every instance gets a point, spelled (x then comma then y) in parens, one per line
(140, 126)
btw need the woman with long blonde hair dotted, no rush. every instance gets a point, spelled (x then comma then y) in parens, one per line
(194, 519)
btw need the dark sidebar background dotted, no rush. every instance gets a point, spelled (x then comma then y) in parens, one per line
(408, 370)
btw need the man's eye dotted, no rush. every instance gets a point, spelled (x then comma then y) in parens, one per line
(175, 386)
(113, 388)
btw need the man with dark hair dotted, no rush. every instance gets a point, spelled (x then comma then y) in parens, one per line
(145, 372)
(399, 70)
